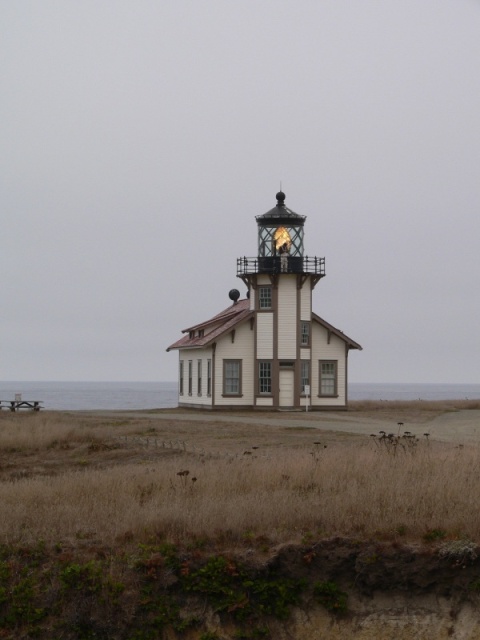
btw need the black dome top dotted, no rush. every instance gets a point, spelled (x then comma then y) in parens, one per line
(280, 214)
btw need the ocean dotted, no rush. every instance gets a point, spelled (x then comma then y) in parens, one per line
(74, 396)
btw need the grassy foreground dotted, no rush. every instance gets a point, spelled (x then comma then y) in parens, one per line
(66, 477)
(129, 526)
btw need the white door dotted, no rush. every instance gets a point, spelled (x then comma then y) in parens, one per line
(286, 387)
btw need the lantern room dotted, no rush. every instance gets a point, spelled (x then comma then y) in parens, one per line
(280, 230)
(280, 246)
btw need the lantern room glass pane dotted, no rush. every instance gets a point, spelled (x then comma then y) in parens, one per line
(268, 238)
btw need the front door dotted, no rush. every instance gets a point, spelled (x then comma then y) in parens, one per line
(286, 387)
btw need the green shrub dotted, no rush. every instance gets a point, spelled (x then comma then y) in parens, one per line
(330, 596)
(228, 587)
(434, 534)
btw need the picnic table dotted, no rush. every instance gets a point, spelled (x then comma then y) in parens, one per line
(16, 405)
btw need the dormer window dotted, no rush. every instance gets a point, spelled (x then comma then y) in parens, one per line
(201, 333)
(191, 334)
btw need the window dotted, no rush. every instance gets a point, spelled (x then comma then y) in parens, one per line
(305, 374)
(305, 334)
(232, 371)
(190, 367)
(209, 377)
(199, 377)
(328, 378)
(265, 297)
(181, 378)
(265, 377)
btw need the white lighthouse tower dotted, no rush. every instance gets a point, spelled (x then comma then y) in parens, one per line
(280, 282)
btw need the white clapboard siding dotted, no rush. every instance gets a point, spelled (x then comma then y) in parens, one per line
(195, 399)
(251, 298)
(323, 350)
(306, 301)
(240, 349)
(264, 402)
(265, 336)
(287, 317)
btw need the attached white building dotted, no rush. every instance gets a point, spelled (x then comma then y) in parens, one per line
(268, 351)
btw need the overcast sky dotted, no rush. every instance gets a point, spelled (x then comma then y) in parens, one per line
(139, 139)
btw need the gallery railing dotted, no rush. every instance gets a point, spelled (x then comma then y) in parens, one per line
(276, 264)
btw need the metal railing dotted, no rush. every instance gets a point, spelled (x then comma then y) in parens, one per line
(273, 264)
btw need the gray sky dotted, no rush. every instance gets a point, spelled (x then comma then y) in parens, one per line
(139, 139)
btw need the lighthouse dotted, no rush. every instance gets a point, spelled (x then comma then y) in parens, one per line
(268, 350)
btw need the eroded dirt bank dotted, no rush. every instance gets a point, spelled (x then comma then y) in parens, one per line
(393, 592)
(332, 589)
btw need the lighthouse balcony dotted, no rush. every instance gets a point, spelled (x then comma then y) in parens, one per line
(276, 264)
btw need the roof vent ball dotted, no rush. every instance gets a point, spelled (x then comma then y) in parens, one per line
(234, 294)
(280, 197)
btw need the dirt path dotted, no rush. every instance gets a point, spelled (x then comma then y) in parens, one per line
(460, 426)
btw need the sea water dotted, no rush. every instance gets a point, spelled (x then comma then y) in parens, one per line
(157, 395)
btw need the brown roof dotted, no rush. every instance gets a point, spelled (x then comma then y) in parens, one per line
(351, 343)
(226, 320)
(229, 318)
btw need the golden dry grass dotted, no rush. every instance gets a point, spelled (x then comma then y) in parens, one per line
(411, 410)
(69, 477)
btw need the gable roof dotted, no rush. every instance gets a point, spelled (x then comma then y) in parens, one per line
(226, 320)
(350, 343)
(229, 318)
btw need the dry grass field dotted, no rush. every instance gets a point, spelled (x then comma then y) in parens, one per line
(110, 478)
(177, 524)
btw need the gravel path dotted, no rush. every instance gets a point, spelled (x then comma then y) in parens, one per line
(460, 426)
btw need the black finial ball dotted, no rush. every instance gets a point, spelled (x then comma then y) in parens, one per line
(234, 294)
(280, 197)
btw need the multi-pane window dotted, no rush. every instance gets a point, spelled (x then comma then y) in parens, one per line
(305, 374)
(180, 376)
(190, 371)
(231, 377)
(328, 378)
(199, 377)
(305, 334)
(265, 377)
(209, 377)
(265, 297)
